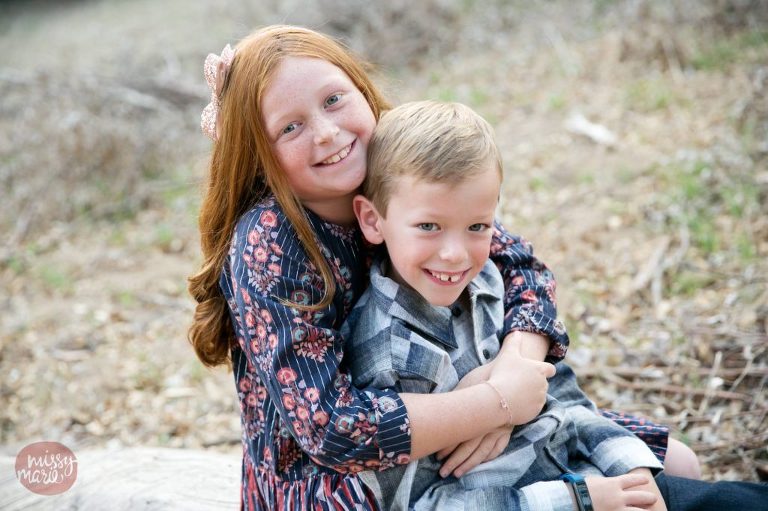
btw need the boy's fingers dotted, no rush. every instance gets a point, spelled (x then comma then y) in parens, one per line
(501, 444)
(632, 480)
(640, 498)
(459, 456)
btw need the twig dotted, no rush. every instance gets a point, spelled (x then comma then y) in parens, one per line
(725, 416)
(568, 59)
(743, 374)
(756, 442)
(633, 372)
(712, 383)
(645, 275)
(674, 389)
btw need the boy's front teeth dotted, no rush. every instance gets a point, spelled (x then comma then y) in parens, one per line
(446, 278)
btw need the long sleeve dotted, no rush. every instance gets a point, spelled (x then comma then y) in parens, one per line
(296, 355)
(540, 496)
(601, 442)
(529, 291)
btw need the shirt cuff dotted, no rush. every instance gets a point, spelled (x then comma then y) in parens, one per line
(547, 496)
(618, 456)
(394, 428)
(527, 319)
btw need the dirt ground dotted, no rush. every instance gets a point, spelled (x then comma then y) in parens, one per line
(635, 141)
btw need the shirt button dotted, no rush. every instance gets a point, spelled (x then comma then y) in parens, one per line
(456, 311)
(486, 354)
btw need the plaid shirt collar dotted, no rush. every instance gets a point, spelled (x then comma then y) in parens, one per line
(419, 315)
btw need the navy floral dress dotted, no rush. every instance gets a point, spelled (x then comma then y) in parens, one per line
(306, 431)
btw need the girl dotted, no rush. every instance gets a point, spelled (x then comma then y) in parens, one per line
(291, 114)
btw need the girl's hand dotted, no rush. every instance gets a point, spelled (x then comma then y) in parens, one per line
(467, 455)
(522, 382)
(624, 493)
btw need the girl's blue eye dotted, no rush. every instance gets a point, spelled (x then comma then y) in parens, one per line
(333, 99)
(291, 127)
(428, 227)
(479, 227)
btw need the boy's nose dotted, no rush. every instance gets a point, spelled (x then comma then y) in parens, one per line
(324, 130)
(453, 253)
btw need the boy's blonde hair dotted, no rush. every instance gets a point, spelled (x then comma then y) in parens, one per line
(428, 140)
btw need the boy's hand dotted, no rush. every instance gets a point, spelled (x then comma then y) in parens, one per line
(467, 455)
(624, 493)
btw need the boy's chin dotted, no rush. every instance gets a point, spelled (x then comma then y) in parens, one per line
(443, 301)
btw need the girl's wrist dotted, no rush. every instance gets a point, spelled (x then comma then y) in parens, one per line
(502, 405)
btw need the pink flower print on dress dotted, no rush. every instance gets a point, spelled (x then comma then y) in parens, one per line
(320, 417)
(286, 376)
(312, 394)
(268, 219)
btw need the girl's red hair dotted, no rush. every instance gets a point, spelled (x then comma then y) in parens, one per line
(243, 169)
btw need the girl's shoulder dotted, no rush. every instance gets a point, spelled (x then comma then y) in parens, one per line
(264, 224)
(265, 215)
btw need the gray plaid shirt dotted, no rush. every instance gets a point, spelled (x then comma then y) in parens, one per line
(395, 339)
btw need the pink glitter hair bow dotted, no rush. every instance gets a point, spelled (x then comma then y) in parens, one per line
(216, 69)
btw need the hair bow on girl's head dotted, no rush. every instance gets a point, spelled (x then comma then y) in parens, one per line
(216, 68)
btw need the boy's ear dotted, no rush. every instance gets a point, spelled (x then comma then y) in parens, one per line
(368, 218)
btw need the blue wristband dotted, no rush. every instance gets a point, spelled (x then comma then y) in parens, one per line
(580, 490)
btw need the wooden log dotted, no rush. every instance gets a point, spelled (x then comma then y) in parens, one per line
(136, 479)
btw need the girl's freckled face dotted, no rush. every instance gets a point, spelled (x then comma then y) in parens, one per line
(319, 124)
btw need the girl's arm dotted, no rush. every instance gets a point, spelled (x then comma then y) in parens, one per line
(529, 295)
(440, 420)
(297, 355)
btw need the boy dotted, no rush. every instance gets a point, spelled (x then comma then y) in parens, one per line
(433, 312)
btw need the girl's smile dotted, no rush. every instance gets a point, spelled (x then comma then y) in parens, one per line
(319, 124)
(336, 158)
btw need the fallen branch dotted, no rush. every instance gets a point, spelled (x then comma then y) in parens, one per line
(658, 372)
(675, 389)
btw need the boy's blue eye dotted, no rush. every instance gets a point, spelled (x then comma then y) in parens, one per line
(428, 227)
(333, 99)
(479, 227)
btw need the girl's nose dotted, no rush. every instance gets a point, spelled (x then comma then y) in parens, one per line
(324, 130)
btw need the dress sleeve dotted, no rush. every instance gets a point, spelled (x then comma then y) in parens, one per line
(529, 291)
(297, 354)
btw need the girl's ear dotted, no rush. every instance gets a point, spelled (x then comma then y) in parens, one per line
(368, 218)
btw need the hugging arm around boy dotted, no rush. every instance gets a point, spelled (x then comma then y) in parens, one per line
(529, 291)
(396, 340)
